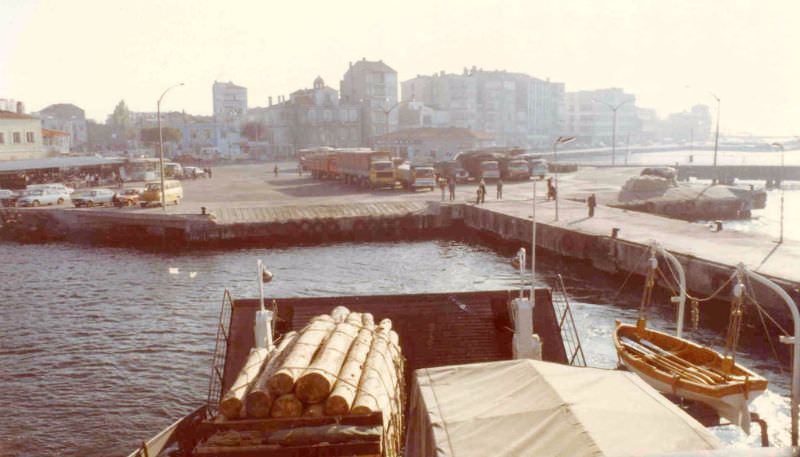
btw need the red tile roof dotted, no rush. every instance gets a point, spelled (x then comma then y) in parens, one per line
(47, 133)
(13, 115)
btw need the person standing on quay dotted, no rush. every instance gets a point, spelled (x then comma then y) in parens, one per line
(441, 186)
(275, 170)
(591, 202)
(499, 188)
(451, 184)
(482, 191)
(551, 190)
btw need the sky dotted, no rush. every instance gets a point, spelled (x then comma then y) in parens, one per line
(670, 54)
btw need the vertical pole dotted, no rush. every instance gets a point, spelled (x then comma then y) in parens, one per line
(781, 184)
(161, 156)
(614, 136)
(627, 147)
(558, 191)
(260, 267)
(716, 142)
(533, 249)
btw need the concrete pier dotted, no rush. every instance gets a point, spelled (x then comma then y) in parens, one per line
(244, 207)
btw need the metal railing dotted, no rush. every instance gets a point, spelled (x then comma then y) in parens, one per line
(566, 324)
(220, 352)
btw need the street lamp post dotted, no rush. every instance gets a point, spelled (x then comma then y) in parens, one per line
(161, 145)
(716, 140)
(614, 109)
(386, 113)
(559, 140)
(780, 146)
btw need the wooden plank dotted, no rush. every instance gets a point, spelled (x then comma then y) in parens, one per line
(362, 449)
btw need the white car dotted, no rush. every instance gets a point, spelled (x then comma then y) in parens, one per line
(55, 186)
(38, 197)
(93, 197)
(8, 197)
(194, 173)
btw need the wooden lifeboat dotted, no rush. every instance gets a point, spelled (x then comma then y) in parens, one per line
(673, 365)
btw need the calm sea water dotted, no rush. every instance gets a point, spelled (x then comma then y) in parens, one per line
(102, 347)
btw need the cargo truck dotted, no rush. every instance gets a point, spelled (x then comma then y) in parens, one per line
(416, 176)
(514, 169)
(480, 165)
(365, 167)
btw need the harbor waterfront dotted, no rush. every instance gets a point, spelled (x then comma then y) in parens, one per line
(123, 330)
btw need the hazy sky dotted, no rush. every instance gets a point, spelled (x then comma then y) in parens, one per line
(670, 54)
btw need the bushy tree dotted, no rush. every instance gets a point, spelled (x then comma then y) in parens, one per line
(169, 134)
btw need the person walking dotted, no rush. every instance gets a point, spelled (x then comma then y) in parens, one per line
(551, 189)
(591, 202)
(275, 170)
(451, 185)
(482, 191)
(209, 172)
(499, 189)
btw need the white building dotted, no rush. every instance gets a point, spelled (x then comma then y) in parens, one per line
(589, 116)
(372, 86)
(20, 136)
(515, 108)
(230, 111)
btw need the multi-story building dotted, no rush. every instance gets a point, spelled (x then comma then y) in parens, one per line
(693, 125)
(20, 136)
(516, 109)
(373, 87)
(589, 116)
(230, 113)
(308, 118)
(66, 117)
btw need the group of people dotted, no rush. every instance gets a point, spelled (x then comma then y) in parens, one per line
(481, 191)
(450, 184)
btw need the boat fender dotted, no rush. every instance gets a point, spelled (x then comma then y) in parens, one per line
(331, 225)
(305, 225)
(319, 227)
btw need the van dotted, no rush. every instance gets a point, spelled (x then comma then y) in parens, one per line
(53, 186)
(173, 193)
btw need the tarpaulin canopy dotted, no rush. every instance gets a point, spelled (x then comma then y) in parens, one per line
(532, 408)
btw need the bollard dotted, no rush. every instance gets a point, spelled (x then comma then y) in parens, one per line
(614, 232)
(203, 210)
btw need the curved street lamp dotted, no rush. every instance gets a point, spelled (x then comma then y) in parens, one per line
(559, 140)
(614, 109)
(161, 145)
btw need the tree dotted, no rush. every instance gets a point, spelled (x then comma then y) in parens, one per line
(255, 131)
(120, 123)
(169, 134)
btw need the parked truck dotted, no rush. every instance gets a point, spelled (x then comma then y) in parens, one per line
(451, 168)
(514, 169)
(322, 165)
(416, 176)
(365, 167)
(480, 165)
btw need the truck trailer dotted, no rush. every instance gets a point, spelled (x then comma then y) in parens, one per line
(365, 167)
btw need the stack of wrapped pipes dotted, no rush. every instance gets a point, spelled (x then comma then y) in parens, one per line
(341, 363)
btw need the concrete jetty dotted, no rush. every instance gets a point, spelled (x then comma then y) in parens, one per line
(246, 205)
(613, 241)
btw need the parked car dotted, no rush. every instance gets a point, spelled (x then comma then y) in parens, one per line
(93, 197)
(8, 197)
(39, 197)
(194, 172)
(129, 197)
(53, 186)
